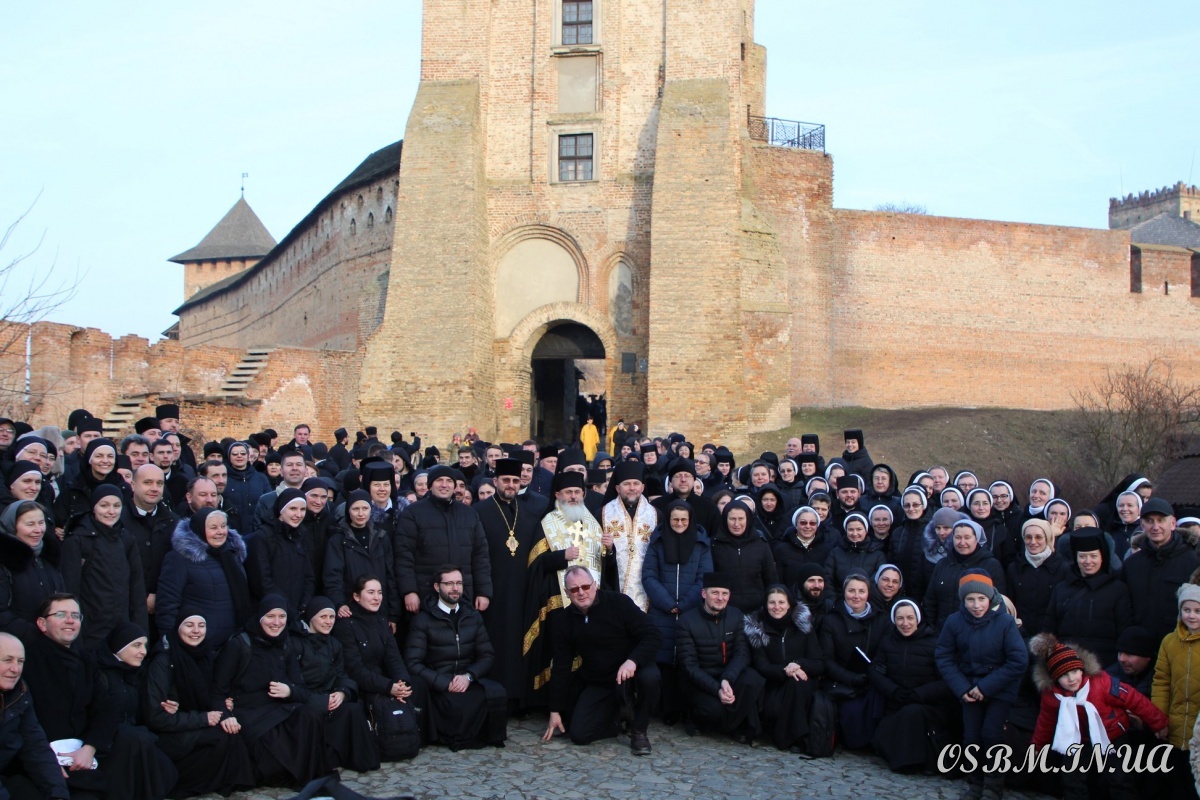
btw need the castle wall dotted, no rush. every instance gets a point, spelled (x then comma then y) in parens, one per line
(1179, 200)
(325, 290)
(86, 368)
(931, 311)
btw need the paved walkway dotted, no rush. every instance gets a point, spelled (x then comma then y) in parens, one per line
(681, 768)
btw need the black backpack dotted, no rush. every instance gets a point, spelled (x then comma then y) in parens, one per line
(396, 728)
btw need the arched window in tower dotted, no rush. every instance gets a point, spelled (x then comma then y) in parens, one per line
(353, 227)
(387, 215)
(370, 220)
(379, 195)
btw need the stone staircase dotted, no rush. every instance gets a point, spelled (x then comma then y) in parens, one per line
(122, 415)
(254, 362)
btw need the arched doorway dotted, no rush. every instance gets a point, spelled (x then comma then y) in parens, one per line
(554, 388)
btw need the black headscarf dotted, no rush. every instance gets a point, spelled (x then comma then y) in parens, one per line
(191, 666)
(254, 624)
(227, 557)
(677, 547)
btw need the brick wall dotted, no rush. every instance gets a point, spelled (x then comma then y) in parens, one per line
(324, 290)
(933, 311)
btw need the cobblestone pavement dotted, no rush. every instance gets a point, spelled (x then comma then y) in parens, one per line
(680, 768)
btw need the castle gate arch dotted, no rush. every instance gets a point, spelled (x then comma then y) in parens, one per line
(539, 369)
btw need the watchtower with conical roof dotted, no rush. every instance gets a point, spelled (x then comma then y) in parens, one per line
(236, 244)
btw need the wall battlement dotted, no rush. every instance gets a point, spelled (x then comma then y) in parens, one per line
(1179, 200)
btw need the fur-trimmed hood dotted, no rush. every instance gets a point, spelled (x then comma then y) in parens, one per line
(757, 635)
(1040, 647)
(195, 550)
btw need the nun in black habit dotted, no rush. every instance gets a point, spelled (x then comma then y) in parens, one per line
(206, 746)
(334, 696)
(257, 676)
(147, 772)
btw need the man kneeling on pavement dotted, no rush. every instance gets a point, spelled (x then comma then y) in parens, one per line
(615, 644)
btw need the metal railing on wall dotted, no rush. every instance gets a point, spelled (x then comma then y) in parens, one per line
(786, 132)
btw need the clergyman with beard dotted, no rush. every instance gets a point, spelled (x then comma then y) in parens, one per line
(571, 525)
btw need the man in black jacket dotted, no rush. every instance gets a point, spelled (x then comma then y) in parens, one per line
(1155, 573)
(439, 530)
(682, 475)
(151, 522)
(26, 760)
(616, 643)
(449, 649)
(714, 658)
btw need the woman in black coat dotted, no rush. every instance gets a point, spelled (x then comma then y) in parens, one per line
(850, 634)
(803, 543)
(772, 511)
(1091, 607)
(28, 566)
(148, 772)
(744, 555)
(356, 548)
(205, 745)
(257, 676)
(921, 712)
(276, 561)
(373, 659)
(995, 530)
(856, 552)
(906, 543)
(1031, 578)
(786, 652)
(204, 571)
(967, 554)
(101, 565)
(348, 739)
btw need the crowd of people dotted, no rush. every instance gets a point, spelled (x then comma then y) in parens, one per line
(177, 621)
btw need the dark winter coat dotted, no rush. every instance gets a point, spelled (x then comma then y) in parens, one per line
(790, 554)
(840, 634)
(433, 532)
(859, 462)
(440, 646)
(847, 556)
(1090, 612)
(673, 586)
(1030, 589)
(23, 742)
(1154, 575)
(246, 667)
(276, 563)
(906, 549)
(798, 643)
(907, 663)
(323, 665)
(347, 559)
(26, 580)
(941, 595)
(153, 536)
(712, 648)
(748, 561)
(612, 631)
(987, 652)
(192, 577)
(889, 497)
(102, 566)
(373, 659)
(242, 492)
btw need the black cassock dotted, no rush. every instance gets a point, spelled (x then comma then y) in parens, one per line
(515, 584)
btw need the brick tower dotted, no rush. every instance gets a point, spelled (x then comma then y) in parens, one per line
(578, 182)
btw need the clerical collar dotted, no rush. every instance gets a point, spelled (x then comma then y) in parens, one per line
(631, 507)
(446, 608)
(141, 513)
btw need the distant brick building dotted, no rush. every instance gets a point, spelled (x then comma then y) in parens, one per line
(598, 180)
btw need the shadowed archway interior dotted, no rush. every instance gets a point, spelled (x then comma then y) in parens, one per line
(555, 385)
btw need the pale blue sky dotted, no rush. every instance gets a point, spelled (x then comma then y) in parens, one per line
(135, 125)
